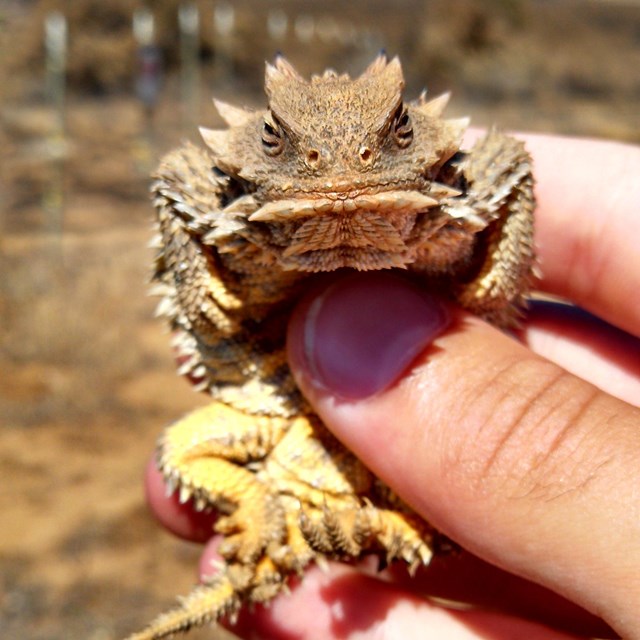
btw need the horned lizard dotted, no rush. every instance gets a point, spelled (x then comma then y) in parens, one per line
(336, 173)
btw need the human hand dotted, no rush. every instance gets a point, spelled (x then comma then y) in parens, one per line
(527, 466)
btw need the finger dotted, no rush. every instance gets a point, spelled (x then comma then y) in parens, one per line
(525, 465)
(464, 578)
(587, 223)
(343, 603)
(586, 346)
(179, 518)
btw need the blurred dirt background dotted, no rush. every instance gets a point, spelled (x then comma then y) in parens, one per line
(86, 376)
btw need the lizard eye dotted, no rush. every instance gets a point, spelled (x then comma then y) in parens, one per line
(402, 127)
(272, 138)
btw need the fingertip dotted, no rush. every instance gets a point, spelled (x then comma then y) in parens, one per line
(356, 336)
(181, 519)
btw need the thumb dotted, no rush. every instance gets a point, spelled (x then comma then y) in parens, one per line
(520, 462)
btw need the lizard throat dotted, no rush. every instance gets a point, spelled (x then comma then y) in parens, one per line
(362, 240)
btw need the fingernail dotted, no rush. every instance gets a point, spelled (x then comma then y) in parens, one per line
(360, 334)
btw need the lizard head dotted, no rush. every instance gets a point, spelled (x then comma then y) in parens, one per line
(339, 172)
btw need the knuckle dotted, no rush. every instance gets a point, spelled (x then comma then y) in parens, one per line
(530, 428)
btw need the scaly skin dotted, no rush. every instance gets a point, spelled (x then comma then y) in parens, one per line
(336, 173)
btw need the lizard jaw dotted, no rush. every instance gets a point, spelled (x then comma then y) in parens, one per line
(336, 203)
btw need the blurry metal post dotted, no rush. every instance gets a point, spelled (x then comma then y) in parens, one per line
(277, 24)
(189, 22)
(224, 24)
(304, 28)
(148, 82)
(55, 37)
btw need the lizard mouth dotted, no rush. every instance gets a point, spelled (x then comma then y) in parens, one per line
(344, 203)
(362, 230)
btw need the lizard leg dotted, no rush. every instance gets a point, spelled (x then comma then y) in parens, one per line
(498, 171)
(204, 456)
(350, 529)
(295, 554)
(229, 320)
(402, 536)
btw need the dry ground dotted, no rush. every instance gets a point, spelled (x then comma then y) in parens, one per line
(86, 384)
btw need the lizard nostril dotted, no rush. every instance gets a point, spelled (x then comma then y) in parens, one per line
(313, 157)
(365, 154)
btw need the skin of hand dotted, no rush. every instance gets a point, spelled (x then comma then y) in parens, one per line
(523, 452)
